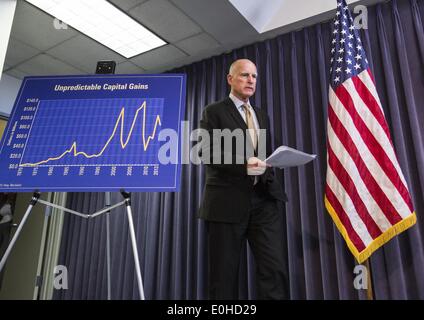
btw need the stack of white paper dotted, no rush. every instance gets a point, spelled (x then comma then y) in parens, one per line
(284, 157)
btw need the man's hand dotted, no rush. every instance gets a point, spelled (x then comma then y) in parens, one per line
(255, 166)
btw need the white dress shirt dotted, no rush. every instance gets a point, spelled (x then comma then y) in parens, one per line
(239, 105)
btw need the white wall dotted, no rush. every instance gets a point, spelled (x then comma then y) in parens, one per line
(9, 87)
(266, 15)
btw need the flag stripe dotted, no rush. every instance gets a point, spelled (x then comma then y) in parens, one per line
(373, 145)
(342, 215)
(390, 164)
(365, 114)
(367, 79)
(373, 187)
(371, 103)
(363, 153)
(350, 189)
(345, 159)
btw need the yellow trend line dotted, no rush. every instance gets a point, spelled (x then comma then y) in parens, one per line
(121, 118)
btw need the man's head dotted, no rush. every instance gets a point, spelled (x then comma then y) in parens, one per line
(242, 78)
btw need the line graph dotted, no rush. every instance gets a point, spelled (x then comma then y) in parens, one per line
(91, 138)
(102, 133)
(73, 150)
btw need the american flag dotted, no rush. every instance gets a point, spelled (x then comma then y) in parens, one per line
(366, 193)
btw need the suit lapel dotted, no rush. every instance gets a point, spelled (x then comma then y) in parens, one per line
(262, 124)
(232, 109)
(238, 118)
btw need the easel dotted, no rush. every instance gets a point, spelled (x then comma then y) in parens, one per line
(127, 202)
(103, 67)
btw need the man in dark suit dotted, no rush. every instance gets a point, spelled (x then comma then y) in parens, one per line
(241, 199)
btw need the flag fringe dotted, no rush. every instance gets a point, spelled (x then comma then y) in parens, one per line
(379, 241)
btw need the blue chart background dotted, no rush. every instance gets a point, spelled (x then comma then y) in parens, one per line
(60, 123)
(48, 127)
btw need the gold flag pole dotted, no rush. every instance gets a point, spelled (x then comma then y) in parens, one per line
(370, 295)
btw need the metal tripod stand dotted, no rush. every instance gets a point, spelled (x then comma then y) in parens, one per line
(127, 202)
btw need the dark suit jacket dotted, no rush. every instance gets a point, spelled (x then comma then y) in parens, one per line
(228, 188)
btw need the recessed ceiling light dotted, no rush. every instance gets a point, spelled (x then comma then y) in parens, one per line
(103, 22)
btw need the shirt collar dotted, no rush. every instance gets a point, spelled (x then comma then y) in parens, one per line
(239, 103)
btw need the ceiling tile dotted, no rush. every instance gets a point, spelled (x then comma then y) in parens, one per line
(126, 4)
(44, 64)
(18, 52)
(165, 19)
(36, 28)
(197, 43)
(83, 53)
(220, 19)
(16, 73)
(159, 57)
(128, 68)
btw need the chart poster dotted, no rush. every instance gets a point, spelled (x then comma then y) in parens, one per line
(94, 133)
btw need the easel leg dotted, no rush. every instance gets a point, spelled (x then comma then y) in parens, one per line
(134, 244)
(34, 200)
(107, 203)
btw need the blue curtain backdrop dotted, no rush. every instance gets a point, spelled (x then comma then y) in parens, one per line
(293, 89)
